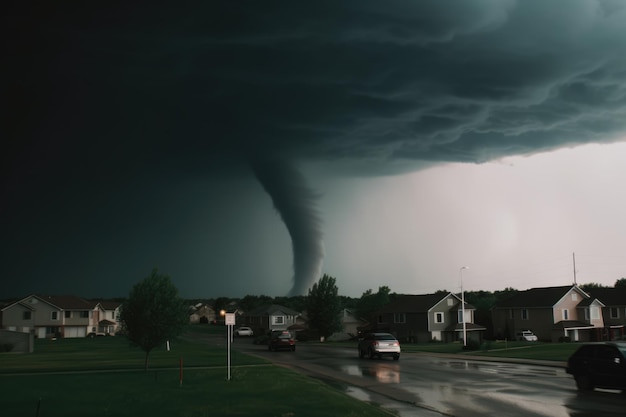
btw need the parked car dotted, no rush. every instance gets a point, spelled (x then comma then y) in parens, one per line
(379, 345)
(244, 331)
(526, 336)
(599, 365)
(282, 340)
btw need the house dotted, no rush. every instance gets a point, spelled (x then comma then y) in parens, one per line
(268, 317)
(551, 313)
(350, 326)
(429, 317)
(614, 312)
(107, 315)
(50, 316)
(202, 313)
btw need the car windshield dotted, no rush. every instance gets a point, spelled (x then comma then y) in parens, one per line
(384, 337)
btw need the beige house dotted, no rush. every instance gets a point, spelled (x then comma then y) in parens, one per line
(350, 327)
(202, 313)
(61, 316)
(551, 313)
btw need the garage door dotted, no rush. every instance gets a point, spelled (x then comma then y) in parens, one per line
(75, 332)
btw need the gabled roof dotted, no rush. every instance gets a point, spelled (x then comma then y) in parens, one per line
(415, 303)
(109, 304)
(67, 302)
(537, 297)
(611, 297)
(272, 310)
(62, 302)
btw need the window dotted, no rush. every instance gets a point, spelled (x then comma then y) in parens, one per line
(26, 315)
(380, 319)
(586, 314)
(460, 316)
(574, 296)
(68, 314)
(595, 313)
(614, 312)
(565, 314)
(524, 313)
(399, 317)
(278, 319)
(450, 302)
(54, 315)
(439, 317)
(84, 314)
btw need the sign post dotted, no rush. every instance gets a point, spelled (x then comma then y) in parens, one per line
(229, 319)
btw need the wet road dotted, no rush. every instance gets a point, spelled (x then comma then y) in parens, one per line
(422, 385)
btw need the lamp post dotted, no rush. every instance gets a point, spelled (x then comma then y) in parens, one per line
(463, 306)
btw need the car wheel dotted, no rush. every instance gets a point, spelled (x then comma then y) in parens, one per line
(583, 383)
(396, 357)
(371, 354)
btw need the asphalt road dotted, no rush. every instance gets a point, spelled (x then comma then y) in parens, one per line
(428, 385)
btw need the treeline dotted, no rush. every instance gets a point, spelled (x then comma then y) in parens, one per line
(366, 306)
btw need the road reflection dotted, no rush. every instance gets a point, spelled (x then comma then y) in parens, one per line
(383, 372)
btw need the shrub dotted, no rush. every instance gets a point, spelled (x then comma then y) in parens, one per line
(564, 339)
(6, 347)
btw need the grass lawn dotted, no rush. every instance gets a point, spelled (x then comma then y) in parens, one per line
(107, 379)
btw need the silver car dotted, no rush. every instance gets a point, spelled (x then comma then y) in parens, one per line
(378, 345)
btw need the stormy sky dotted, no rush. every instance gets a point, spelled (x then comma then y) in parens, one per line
(249, 147)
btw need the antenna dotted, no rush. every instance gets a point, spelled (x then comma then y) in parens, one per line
(574, 259)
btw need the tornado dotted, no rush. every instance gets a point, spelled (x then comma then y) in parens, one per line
(296, 203)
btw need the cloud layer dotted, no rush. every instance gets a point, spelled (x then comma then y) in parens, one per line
(464, 81)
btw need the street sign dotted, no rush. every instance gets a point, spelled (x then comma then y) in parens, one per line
(230, 319)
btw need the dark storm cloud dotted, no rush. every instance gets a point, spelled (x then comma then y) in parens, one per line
(96, 95)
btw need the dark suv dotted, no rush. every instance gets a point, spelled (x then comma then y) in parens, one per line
(601, 365)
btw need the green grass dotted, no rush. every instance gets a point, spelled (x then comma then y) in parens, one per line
(263, 390)
(105, 377)
(114, 352)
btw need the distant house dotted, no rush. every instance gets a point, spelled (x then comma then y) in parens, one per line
(350, 325)
(107, 316)
(613, 312)
(269, 317)
(428, 317)
(202, 313)
(551, 313)
(49, 316)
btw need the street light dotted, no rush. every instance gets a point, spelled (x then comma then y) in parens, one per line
(463, 305)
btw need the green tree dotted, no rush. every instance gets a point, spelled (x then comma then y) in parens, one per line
(323, 306)
(370, 303)
(591, 286)
(620, 283)
(153, 313)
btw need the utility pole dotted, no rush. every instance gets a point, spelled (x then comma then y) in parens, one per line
(574, 259)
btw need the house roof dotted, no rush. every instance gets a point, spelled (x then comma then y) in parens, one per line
(272, 310)
(67, 302)
(109, 304)
(572, 324)
(62, 302)
(610, 296)
(417, 303)
(536, 297)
